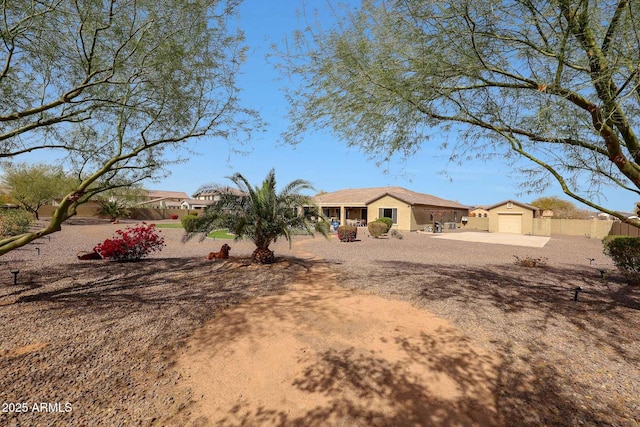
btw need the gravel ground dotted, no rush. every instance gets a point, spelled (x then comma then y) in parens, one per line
(94, 340)
(101, 336)
(566, 363)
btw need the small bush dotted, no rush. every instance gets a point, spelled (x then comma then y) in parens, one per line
(347, 233)
(529, 261)
(131, 244)
(174, 216)
(387, 221)
(398, 235)
(15, 221)
(625, 253)
(377, 228)
(190, 223)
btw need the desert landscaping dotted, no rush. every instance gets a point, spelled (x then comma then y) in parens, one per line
(417, 331)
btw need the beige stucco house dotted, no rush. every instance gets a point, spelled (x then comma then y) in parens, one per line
(409, 210)
(511, 216)
(162, 199)
(479, 212)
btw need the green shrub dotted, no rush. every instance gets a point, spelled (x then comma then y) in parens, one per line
(15, 221)
(387, 221)
(347, 233)
(190, 223)
(322, 226)
(625, 253)
(377, 228)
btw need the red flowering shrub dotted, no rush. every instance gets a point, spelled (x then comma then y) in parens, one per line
(347, 233)
(174, 216)
(131, 244)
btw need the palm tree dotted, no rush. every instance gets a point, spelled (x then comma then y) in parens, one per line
(113, 209)
(261, 214)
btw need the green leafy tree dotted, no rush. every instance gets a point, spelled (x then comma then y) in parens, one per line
(33, 186)
(261, 214)
(113, 85)
(554, 86)
(561, 208)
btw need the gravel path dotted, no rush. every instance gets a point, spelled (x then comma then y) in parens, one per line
(96, 340)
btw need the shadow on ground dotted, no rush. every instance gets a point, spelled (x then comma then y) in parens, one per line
(529, 316)
(102, 335)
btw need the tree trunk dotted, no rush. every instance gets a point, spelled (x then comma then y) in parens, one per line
(263, 256)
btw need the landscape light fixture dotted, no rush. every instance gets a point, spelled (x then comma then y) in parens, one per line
(577, 290)
(15, 276)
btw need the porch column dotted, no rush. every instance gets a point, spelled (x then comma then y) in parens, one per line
(343, 214)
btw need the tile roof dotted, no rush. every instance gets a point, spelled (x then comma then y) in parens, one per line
(221, 190)
(160, 194)
(365, 196)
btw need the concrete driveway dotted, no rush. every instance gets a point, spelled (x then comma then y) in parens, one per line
(496, 238)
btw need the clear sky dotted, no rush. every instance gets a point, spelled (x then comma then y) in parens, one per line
(322, 159)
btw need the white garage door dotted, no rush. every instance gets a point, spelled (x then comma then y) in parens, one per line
(509, 223)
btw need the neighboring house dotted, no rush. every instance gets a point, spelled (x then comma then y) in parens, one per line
(163, 199)
(214, 195)
(511, 216)
(479, 212)
(607, 217)
(195, 204)
(202, 199)
(409, 210)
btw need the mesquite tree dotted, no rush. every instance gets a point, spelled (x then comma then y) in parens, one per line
(113, 85)
(554, 82)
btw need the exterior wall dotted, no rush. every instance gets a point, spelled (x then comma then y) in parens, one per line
(90, 210)
(622, 229)
(477, 223)
(85, 210)
(593, 228)
(527, 217)
(404, 212)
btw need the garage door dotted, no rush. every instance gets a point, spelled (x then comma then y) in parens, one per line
(509, 223)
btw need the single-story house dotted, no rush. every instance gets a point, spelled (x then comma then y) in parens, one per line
(409, 210)
(511, 216)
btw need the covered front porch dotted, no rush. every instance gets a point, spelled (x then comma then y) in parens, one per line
(346, 215)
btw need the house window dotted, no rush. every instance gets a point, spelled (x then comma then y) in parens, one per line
(389, 213)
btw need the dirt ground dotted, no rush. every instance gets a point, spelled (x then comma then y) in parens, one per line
(321, 355)
(379, 332)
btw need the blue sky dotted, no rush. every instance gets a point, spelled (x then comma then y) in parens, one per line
(322, 159)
